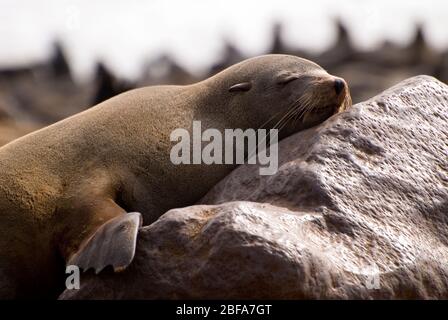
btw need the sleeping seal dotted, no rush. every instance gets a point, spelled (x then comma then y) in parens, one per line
(72, 193)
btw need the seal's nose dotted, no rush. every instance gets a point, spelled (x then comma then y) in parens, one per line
(338, 86)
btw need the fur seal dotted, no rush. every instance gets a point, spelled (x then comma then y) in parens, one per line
(70, 192)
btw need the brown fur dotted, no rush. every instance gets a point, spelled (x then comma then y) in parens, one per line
(59, 184)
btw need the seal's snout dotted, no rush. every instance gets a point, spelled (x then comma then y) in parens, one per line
(342, 94)
(339, 85)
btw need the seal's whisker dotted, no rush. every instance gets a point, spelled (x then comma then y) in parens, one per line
(308, 107)
(271, 118)
(290, 109)
(285, 122)
(298, 108)
(279, 123)
(300, 113)
(306, 103)
(307, 100)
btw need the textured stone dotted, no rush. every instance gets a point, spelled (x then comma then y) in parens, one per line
(358, 209)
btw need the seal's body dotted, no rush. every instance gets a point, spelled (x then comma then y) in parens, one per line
(66, 190)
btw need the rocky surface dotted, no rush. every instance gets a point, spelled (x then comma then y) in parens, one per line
(357, 209)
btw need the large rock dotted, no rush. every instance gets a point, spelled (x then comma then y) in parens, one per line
(357, 209)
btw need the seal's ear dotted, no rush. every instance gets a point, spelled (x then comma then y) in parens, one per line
(243, 86)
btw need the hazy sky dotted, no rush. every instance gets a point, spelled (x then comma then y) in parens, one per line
(126, 32)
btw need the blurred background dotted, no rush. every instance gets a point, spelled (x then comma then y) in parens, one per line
(59, 57)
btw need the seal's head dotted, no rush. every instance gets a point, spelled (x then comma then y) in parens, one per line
(286, 92)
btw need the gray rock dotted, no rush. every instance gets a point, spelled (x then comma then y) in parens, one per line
(357, 209)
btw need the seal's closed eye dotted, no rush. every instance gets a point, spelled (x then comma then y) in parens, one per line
(243, 86)
(285, 79)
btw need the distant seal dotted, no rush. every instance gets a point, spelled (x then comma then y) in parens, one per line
(70, 193)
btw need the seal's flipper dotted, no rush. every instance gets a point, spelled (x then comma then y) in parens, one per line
(112, 244)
